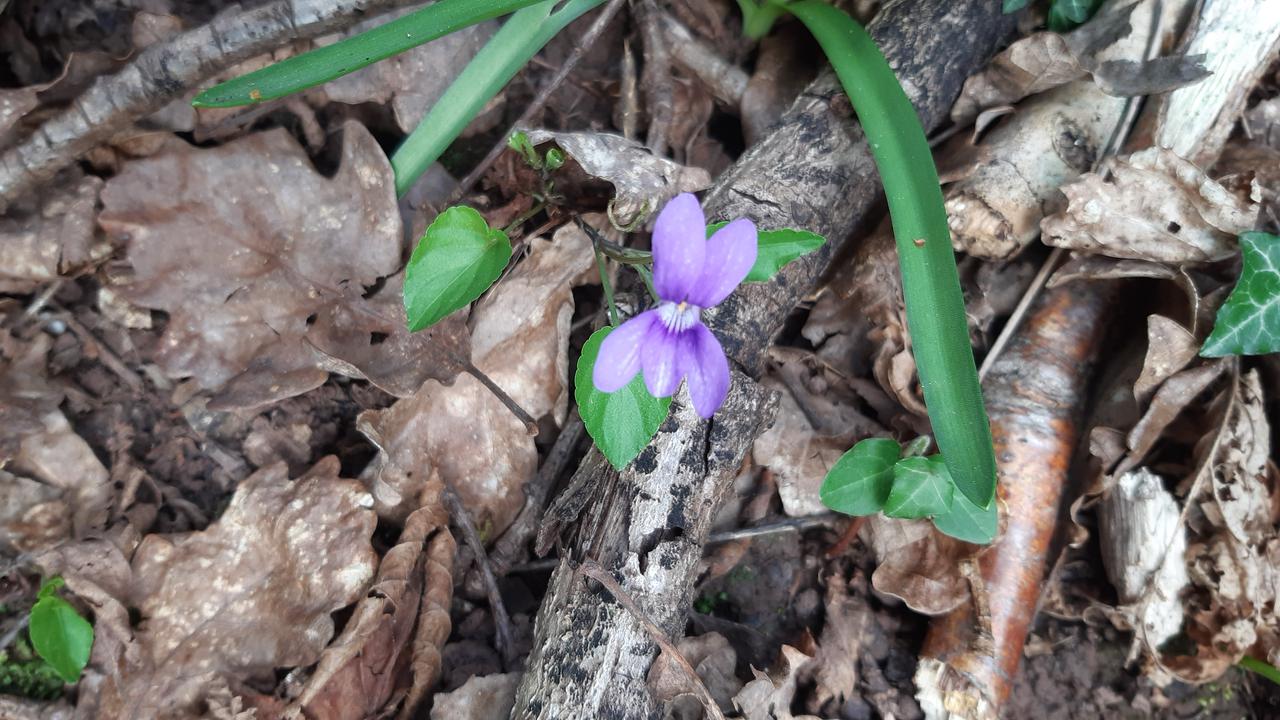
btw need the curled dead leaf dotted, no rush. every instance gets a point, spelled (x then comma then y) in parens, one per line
(918, 564)
(51, 238)
(1170, 348)
(643, 182)
(1152, 205)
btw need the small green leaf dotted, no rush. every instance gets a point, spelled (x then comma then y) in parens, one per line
(519, 141)
(921, 488)
(776, 248)
(1248, 323)
(967, 521)
(859, 482)
(621, 423)
(1014, 5)
(458, 258)
(59, 634)
(555, 159)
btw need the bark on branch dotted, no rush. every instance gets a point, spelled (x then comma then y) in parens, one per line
(647, 527)
(161, 74)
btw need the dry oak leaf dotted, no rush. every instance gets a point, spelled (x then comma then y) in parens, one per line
(242, 243)
(769, 696)
(368, 667)
(918, 564)
(52, 238)
(1031, 65)
(255, 591)
(643, 181)
(520, 334)
(1152, 205)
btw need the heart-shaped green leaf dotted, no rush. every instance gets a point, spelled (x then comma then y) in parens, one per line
(921, 488)
(621, 423)
(1248, 323)
(859, 482)
(967, 521)
(776, 248)
(458, 258)
(59, 634)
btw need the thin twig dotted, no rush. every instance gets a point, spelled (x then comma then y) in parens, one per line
(105, 354)
(593, 570)
(584, 44)
(727, 81)
(842, 543)
(530, 425)
(656, 79)
(509, 546)
(503, 636)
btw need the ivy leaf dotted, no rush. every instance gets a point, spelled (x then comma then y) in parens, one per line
(921, 488)
(59, 634)
(967, 521)
(859, 482)
(621, 423)
(1248, 323)
(458, 258)
(777, 248)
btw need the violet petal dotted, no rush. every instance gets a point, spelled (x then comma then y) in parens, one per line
(660, 358)
(619, 357)
(731, 252)
(707, 369)
(679, 247)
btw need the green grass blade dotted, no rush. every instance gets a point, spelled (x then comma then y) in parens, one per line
(347, 56)
(931, 285)
(520, 38)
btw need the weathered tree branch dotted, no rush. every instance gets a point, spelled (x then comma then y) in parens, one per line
(164, 71)
(647, 526)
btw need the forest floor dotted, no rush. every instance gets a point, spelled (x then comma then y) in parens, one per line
(215, 426)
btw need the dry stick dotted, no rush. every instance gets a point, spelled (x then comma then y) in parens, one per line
(503, 636)
(659, 91)
(509, 546)
(593, 570)
(727, 81)
(104, 353)
(530, 425)
(584, 44)
(1035, 395)
(161, 74)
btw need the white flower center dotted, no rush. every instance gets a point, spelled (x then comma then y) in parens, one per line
(678, 317)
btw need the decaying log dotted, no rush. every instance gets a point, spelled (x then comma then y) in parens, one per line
(162, 73)
(647, 526)
(1050, 140)
(1035, 395)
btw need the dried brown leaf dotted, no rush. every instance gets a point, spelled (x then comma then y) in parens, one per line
(1031, 65)
(643, 182)
(367, 667)
(769, 696)
(52, 238)
(918, 564)
(58, 457)
(243, 243)
(1169, 401)
(1170, 348)
(520, 340)
(841, 643)
(479, 698)
(713, 658)
(254, 592)
(1152, 205)
(414, 80)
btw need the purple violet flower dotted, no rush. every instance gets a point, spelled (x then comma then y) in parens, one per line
(669, 342)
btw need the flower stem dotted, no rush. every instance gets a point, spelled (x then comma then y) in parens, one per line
(608, 286)
(1264, 669)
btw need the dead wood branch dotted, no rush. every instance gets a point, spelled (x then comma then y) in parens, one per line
(1034, 396)
(161, 73)
(647, 526)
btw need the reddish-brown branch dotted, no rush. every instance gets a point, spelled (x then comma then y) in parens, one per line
(1035, 395)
